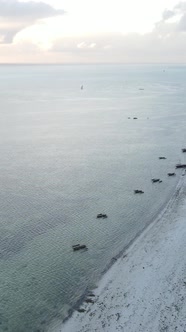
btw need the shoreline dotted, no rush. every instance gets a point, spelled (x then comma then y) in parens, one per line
(98, 308)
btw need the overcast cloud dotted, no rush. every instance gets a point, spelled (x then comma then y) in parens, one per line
(16, 15)
(166, 43)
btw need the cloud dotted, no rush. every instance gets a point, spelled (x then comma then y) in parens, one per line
(116, 48)
(167, 14)
(166, 43)
(182, 23)
(181, 6)
(16, 15)
(176, 17)
(27, 10)
(179, 9)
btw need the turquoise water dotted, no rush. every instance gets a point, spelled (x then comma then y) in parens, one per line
(68, 154)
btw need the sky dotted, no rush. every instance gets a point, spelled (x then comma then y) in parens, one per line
(97, 31)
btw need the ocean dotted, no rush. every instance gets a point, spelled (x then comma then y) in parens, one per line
(67, 154)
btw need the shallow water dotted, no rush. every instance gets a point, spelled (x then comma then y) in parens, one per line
(68, 154)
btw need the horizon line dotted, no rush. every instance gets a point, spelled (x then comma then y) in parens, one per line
(91, 63)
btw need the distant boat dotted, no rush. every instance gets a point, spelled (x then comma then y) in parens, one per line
(79, 246)
(171, 174)
(81, 87)
(184, 150)
(102, 215)
(155, 180)
(162, 158)
(136, 191)
(181, 166)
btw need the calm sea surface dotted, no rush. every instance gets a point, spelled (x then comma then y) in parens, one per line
(67, 154)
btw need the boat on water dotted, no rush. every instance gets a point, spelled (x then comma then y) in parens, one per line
(78, 246)
(162, 158)
(181, 166)
(184, 150)
(101, 215)
(137, 191)
(171, 174)
(155, 180)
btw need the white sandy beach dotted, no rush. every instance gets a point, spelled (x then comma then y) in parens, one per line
(145, 290)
